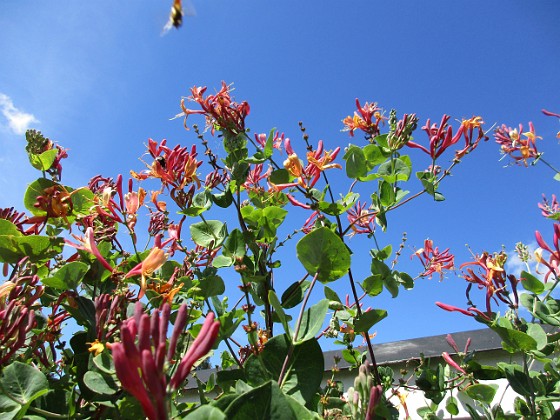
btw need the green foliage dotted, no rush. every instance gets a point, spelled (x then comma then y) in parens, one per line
(188, 281)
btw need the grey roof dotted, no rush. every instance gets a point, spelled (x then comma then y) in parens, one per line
(398, 351)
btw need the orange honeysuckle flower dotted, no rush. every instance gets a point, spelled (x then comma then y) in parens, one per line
(474, 122)
(294, 165)
(96, 347)
(155, 259)
(324, 162)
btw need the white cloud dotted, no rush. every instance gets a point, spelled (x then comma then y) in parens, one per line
(18, 121)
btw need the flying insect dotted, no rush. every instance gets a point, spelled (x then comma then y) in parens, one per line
(176, 14)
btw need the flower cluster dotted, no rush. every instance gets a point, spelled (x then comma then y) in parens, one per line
(442, 137)
(221, 112)
(143, 357)
(367, 118)
(433, 260)
(18, 299)
(519, 145)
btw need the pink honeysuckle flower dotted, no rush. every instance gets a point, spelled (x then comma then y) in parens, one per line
(491, 276)
(363, 119)
(519, 145)
(433, 260)
(87, 243)
(550, 210)
(277, 140)
(202, 344)
(143, 356)
(220, 111)
(362, 219)
(553, 261)
(452, 363)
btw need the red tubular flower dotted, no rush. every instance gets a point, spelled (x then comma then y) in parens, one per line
(201, 345)
(140, 358)
(553, 261)
(491, 276)
(441, 137)
(452, 363)
(433, 260)
(374, 399)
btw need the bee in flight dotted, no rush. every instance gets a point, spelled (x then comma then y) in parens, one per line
(176, 14)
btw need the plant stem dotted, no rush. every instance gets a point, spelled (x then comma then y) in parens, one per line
(296, 330)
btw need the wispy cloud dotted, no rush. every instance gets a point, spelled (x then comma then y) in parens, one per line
(18, 120)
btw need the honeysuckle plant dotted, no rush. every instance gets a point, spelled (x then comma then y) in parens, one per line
(113, 292)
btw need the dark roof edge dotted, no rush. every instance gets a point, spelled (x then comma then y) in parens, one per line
(399, 351)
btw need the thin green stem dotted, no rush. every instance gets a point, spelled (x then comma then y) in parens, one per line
(296, 331)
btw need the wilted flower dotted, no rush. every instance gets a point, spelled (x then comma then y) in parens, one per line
(362, 219)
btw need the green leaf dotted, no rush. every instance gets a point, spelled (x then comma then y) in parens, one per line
(312, 321)
(223, 199)
(322, 252)
(212, 286)
(373, 285)
(368, 319)
(279, 176)
(262, 403)
(104, 362)
(386, 194)
(514, 339)
(38, 248)
(517, 379)
(34, 190)
(482, 392)
(82, 201)
(7, 228)
(531, 283)
(100, 384)
(294, 294)
(273, 299)
(206, 412)
(200, 203)
(234, 246)
(209, 234)
(538, 334)
(43, 161)
(355, 162)
(303, 373)
(374, 155)
(272, 218)
(22, 384)
(395, 170)
(68, 277)
(330, 294)
(556, 177)
(451, 406)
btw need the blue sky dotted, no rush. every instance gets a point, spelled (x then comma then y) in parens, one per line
(99, 78)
